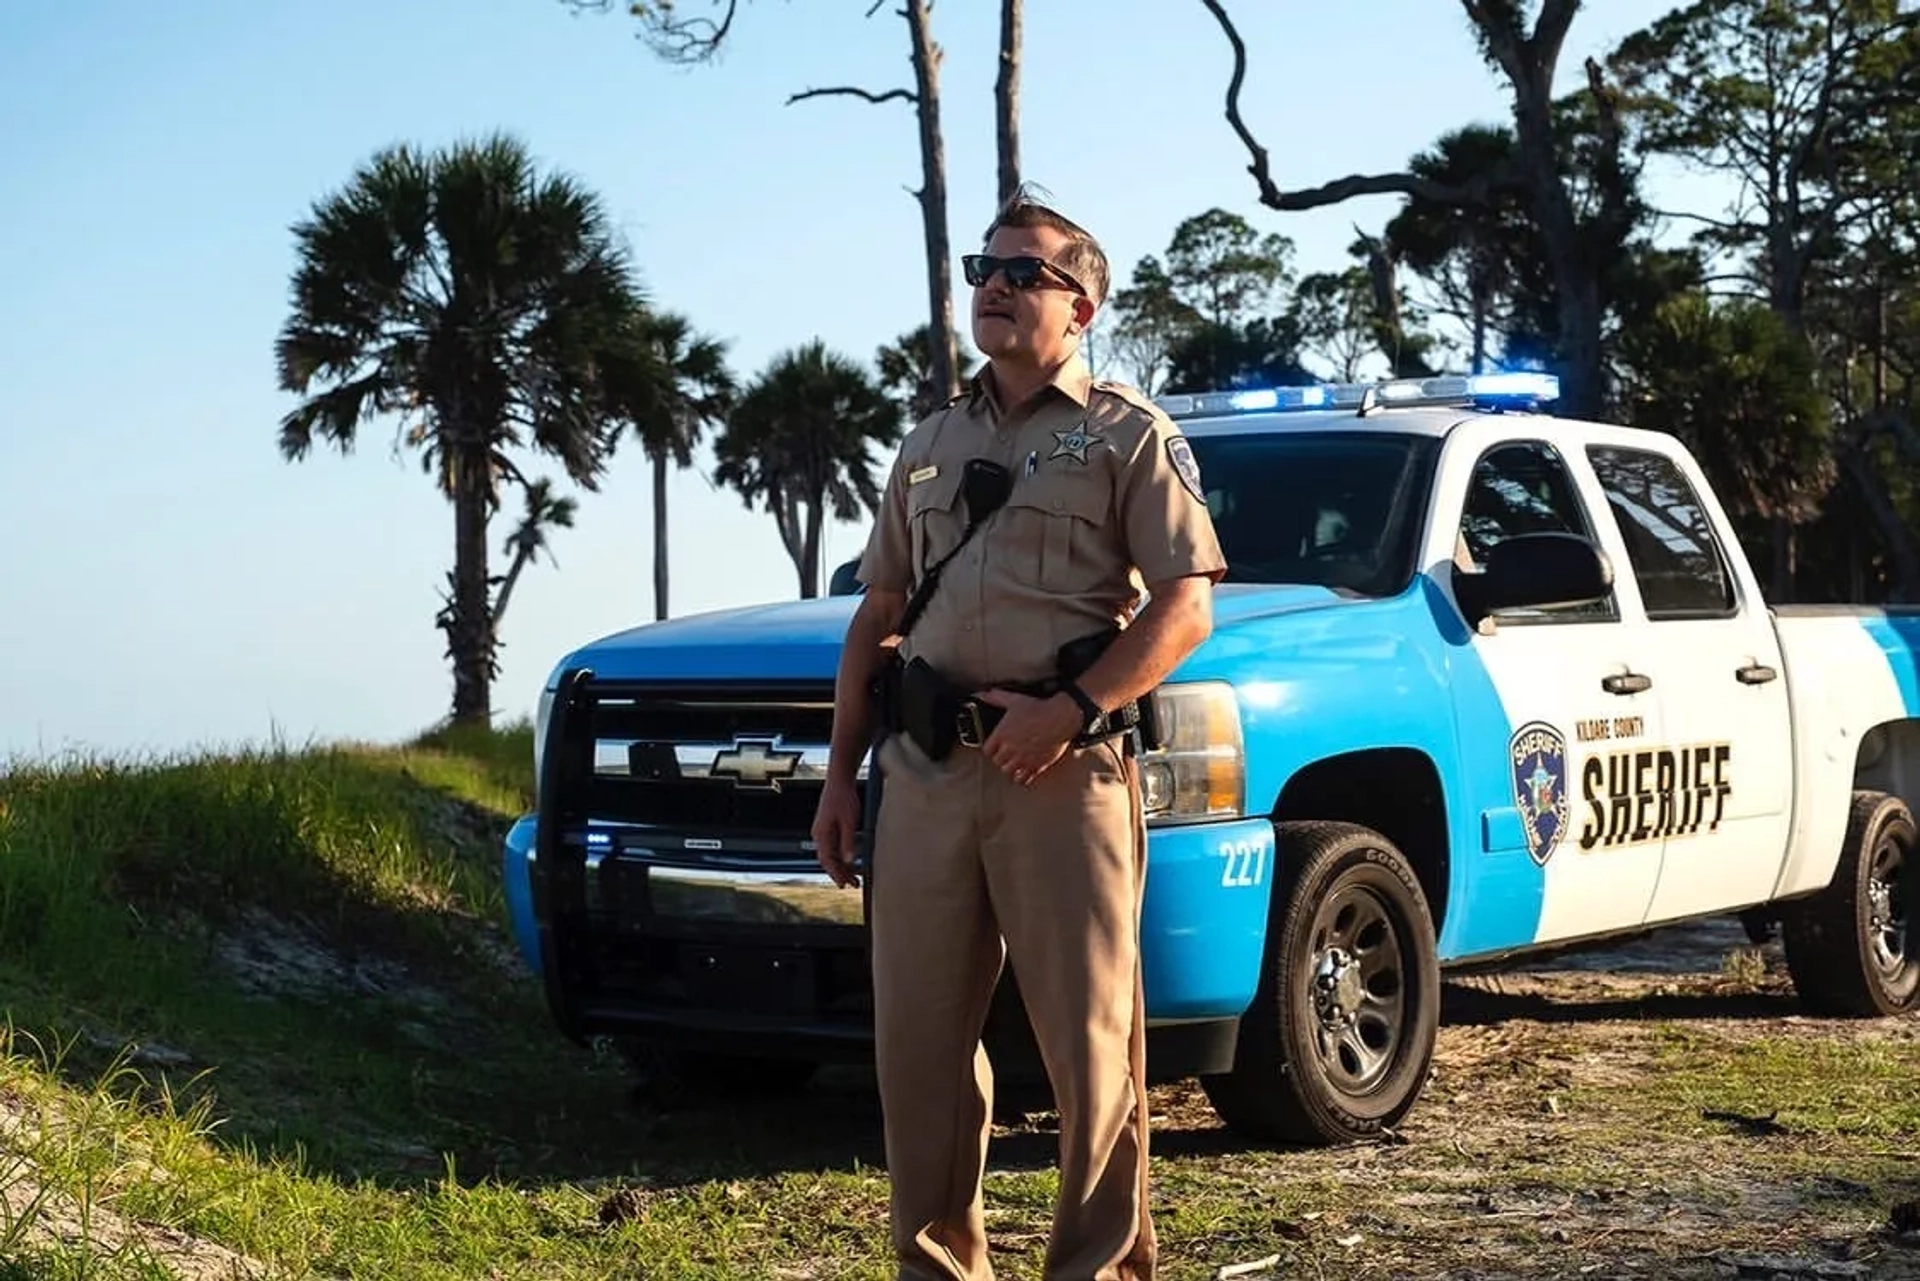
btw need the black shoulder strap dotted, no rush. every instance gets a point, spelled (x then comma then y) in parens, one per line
(923, 590)
(917, 603)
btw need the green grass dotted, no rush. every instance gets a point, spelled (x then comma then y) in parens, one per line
(267, 1001)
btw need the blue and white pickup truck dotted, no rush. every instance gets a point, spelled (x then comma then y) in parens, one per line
(1483, 681)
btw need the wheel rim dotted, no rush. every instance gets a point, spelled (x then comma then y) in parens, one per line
(1887, 920)
(1356, 987)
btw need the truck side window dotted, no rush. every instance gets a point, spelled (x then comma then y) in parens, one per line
(1524, 488)
(1677, 560)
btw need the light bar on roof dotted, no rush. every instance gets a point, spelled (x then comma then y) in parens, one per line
(1507, 389)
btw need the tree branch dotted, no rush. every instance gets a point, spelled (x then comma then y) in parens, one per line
(1694, 217)
(848, 91)
(1270, 194)
(682, 40)
(1500, 33)
(1550, 29)
(1475, 191)
(1332, 193)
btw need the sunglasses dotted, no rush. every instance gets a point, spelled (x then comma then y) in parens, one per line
(1023, 271)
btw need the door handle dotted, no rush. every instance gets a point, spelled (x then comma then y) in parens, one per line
(1626, 683)
(1754, 674)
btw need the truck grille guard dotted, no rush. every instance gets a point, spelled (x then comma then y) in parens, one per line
(677, 810)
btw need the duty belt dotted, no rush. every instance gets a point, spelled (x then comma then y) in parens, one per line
(939, 715)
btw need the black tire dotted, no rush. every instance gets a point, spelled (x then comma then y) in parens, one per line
(1332, 878)
(1850, 948)
(710, 1074)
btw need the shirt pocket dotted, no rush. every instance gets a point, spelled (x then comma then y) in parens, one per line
(1061, 520)
(934, 520)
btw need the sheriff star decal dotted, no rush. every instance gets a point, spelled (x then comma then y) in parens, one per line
(1073, 443)
(1180, 454)
(1538, 757)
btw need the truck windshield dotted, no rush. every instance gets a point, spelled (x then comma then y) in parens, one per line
(1331, 509)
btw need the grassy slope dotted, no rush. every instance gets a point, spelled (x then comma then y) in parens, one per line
(268, 1001)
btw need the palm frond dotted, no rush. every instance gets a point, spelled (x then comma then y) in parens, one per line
(467, 289)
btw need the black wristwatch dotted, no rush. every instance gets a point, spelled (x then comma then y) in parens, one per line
(1090, 712)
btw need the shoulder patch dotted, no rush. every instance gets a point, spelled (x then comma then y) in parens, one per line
(1180, 454)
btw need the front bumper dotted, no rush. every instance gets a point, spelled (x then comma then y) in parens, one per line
(773, 958)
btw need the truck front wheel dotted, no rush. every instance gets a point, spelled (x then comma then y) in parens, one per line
(1850, 948)
(1338, 1041)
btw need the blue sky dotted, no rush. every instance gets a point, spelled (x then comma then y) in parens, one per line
(173, 584)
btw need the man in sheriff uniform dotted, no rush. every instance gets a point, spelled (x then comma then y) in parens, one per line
(1024, 518)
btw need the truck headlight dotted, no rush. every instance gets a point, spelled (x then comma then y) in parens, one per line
(1199, 771)
(542, 714)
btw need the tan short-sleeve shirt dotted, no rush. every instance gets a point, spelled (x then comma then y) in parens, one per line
(1106, 500)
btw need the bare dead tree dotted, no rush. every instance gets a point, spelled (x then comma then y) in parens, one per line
(1006, 99)
(925, 97)
(673, 37)
(933, 197)
(678, 38)
(1528, 63)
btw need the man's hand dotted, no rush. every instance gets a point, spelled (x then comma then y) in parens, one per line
(1033, 734)
(836, 831)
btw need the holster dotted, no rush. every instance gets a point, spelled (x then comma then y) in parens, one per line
(883, 693)
(937, 714)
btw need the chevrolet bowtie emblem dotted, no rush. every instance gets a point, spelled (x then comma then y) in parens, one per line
(755, 763)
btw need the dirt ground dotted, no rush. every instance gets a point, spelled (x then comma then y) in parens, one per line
(1653, 1110)
(1659, 1109)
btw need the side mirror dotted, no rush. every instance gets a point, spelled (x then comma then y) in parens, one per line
(843, 582)
(1534, 571)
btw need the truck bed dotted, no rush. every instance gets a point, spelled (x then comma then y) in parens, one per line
(1854, 673)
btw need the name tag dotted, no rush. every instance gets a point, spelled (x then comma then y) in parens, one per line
(919, 474)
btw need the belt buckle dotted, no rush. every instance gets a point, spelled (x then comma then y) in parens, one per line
(969, 726)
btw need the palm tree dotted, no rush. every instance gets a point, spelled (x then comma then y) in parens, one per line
(906, 371)
(682, 388)
(480, 302)
(1484, 261)
(799, 440)
(530, 537)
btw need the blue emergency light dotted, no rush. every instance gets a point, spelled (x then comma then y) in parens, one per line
(1506, 389)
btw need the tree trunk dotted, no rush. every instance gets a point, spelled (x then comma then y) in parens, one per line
(788, 523)
(660, 535)
(1780, 592)
(945, 353)
(810, 569)
(1479, 299)
(469, 625)
(1006, 99)
(520, 559)
(1576, 284)
(1903, 550)
(1787, 263)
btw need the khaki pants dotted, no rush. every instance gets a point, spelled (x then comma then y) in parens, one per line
(963, 858)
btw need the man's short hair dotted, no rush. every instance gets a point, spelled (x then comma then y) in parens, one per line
(1083, 257)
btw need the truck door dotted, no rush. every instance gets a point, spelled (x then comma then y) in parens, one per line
(1721, 775)
(1567, 693)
